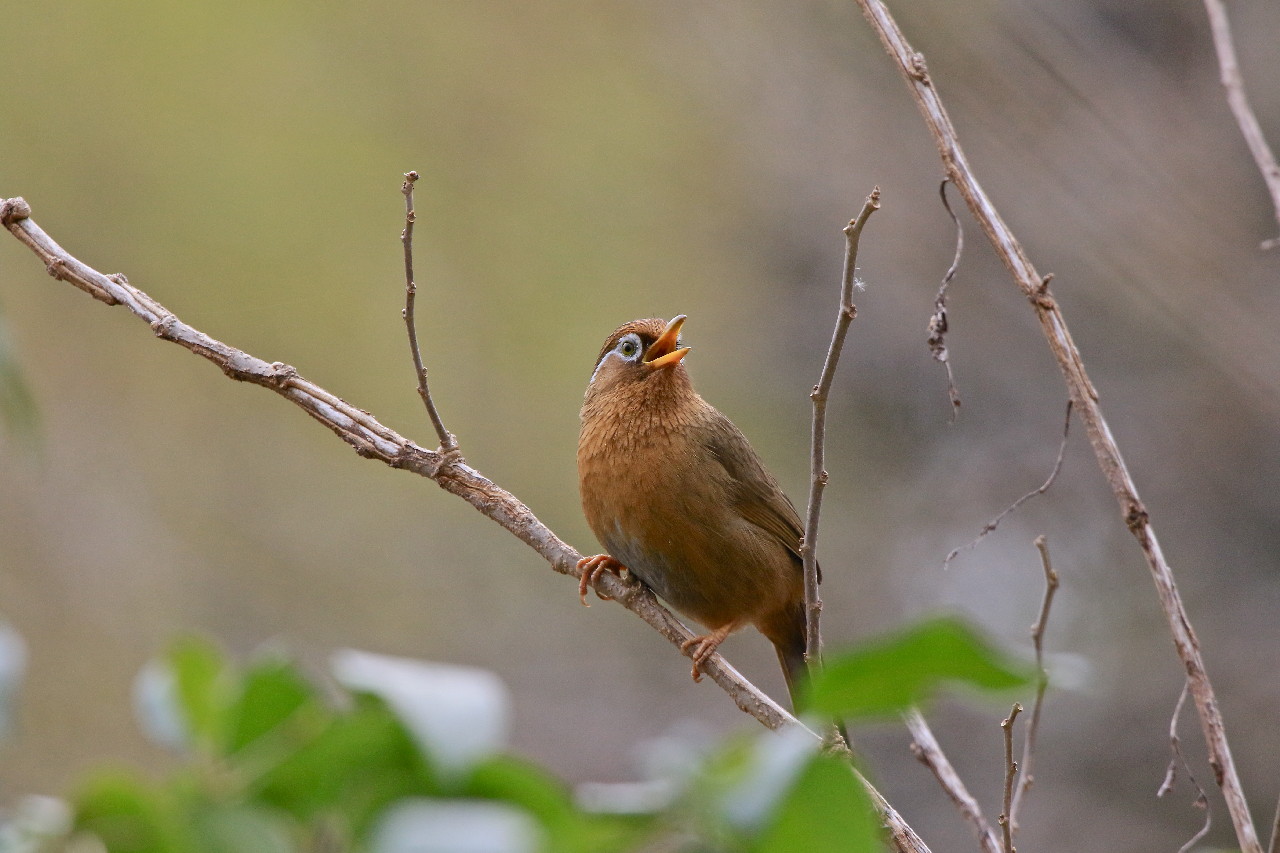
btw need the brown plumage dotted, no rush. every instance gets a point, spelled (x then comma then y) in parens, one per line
(678, 497)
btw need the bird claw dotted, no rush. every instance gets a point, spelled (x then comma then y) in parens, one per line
(592, 568)
(701, 649)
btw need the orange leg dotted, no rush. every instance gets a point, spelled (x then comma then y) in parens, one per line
(702, 648)
(592, 568)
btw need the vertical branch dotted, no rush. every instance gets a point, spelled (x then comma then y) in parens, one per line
(1042, 678)
(809, 547)
(1053, 325)
(1233, 82)
(448, 443)
(1010, 771)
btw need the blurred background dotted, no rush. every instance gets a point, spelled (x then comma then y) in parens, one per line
(589, 163)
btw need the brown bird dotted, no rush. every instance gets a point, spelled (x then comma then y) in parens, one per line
(678, 498)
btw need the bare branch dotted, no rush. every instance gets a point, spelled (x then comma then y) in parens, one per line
(818, 471)
(925, 747)
(1171, 773)
(372, 440)
(1042, 679)
(991, 525)
(448, 442)
(1010, 771)
(938, 325)
(1233, 82)
(1035, 288)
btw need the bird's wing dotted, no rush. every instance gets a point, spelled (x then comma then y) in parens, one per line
(756, 495)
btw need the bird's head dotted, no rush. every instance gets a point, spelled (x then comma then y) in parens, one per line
(638, 352)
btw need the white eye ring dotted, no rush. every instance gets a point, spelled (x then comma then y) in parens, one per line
(628, 347)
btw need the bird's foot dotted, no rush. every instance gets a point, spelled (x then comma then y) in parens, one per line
(702, 648)
(592, 568)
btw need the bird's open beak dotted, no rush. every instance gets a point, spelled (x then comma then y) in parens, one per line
(663, 352)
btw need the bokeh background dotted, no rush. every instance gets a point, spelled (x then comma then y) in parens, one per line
(584, 164)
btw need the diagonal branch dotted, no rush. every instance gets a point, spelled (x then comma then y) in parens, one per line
(1233, 82)
(372, 440)
(1085, 399)
(926, 748)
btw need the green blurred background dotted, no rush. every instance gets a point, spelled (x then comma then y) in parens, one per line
(584, 164)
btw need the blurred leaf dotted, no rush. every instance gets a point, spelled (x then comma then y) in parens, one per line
(825, 811)
(271, 691)
(455, 826)
(775, 762)
(239, 829)
(205, 688)
(891, 675)
(358, 763)
(130, 817)
(458, 714)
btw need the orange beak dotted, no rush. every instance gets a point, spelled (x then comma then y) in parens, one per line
(663, 352)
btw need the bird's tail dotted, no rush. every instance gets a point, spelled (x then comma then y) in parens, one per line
(790, 645)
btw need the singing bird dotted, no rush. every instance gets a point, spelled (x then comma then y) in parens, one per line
(678, 497)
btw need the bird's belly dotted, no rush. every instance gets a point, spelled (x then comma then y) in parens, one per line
(715, 579)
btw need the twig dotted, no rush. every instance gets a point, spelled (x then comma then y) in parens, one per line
(1010, 771)
(1171, 773)
(938, 324)
(1035, 288)
(991, 525)
(372, 440)
(1233, 82)
(818, 471)
(925, 747)
(448, 442)
(1042, 679)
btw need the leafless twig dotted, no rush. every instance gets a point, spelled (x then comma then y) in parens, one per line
(991, 525)
(448, 442)
(1171, 773)
(938, 324)
(1052, 323)
(1233, 82)
(1010, 771)
(818, 471)
(925, 747)
(372, 440)
(1042, 679)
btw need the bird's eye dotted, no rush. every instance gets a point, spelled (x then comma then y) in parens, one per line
(628, 347)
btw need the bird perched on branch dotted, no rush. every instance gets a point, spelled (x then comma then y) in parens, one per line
(678, 498)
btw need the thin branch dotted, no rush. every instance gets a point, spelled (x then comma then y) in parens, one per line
(818, 471)
(448, 442)
(991, 525)
(1171, 773)
(925, 747)
(1010, 771)
(1233, 82)
(1042, 679)
(372, 440)
(1035, 288)
(938, 325)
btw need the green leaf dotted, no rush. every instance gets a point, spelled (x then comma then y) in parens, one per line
(237, 829)
(890, 675)
(271, 692)
(354, 766)
(205, 689)
(826, 811)
(129, 816)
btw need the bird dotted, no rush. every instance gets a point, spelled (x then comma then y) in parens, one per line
(681, 501)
